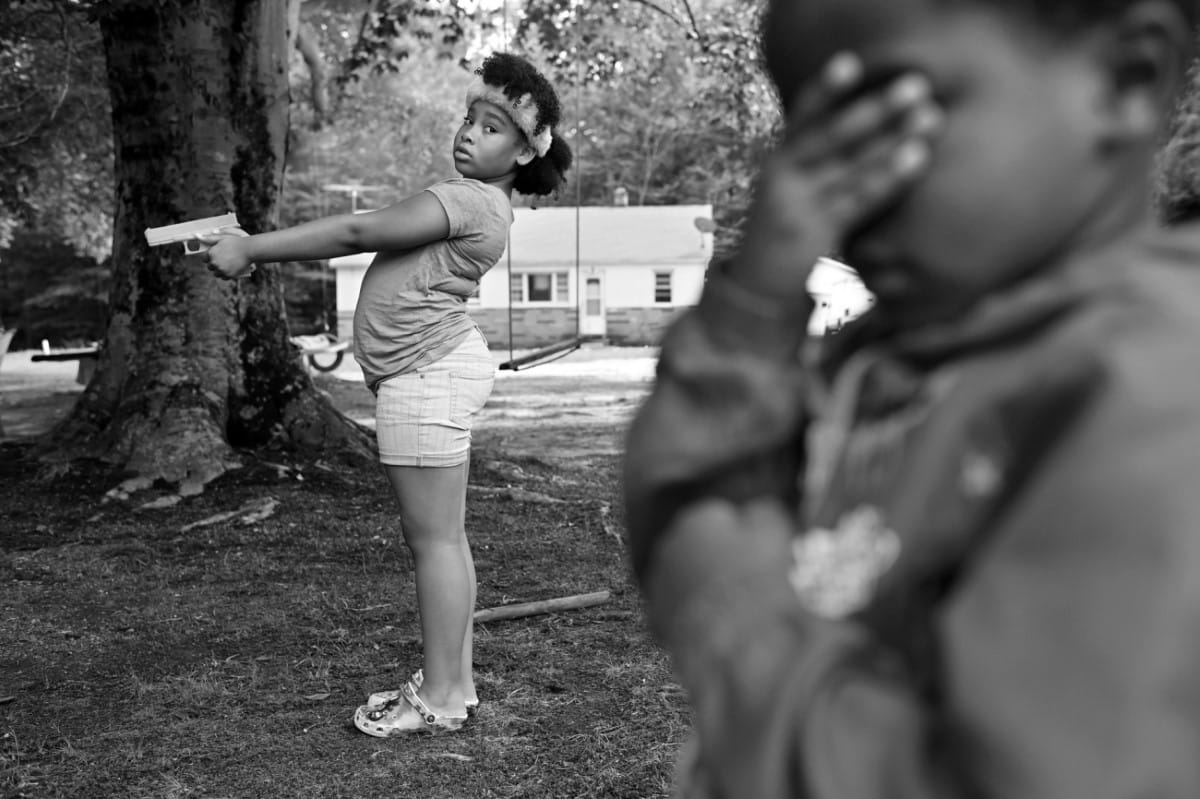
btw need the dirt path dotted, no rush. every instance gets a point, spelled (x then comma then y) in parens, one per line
(563, 409)
(34, 396)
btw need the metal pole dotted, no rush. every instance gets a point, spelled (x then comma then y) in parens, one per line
(580, 297)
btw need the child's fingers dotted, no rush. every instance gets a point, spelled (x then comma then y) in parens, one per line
(225, 274)
(833, 170)
(863, 121)
(876, 178)
(227, 233)
(816, 98)
(857, 183)
(924, 121)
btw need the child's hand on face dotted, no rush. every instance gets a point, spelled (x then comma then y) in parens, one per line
(842, 158)
(226, 255)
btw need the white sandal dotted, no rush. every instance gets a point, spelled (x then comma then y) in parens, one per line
(405, 714)
(381, 698)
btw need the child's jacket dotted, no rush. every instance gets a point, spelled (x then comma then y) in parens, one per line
(996, 586)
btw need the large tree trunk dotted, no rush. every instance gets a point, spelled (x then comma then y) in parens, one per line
(194, 368)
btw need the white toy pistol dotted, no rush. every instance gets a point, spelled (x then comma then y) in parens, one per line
(190, 232)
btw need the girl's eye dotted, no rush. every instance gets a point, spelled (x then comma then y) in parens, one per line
(489, 129)
(467, 120)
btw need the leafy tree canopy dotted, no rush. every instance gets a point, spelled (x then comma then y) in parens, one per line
(55, 130)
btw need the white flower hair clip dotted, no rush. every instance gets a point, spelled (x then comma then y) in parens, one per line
(523, 111)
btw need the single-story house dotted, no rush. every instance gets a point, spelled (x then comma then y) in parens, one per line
(618, 273)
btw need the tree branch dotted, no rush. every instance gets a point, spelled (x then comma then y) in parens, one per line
(306, 44)
(62, 92)
(690, 24)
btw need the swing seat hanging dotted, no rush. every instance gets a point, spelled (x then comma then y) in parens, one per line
(323, 345)
(562, 348)
(543, 355)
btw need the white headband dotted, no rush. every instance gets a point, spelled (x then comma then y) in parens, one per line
(523, 112)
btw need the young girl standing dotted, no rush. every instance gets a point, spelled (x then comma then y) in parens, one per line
(424, 358)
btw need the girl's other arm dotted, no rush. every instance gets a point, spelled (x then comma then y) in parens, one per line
(418, 220)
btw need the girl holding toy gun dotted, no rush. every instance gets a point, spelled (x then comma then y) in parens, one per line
(426, 361)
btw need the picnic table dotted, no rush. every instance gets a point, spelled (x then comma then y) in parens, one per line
(323, 345)
(86, 356)
(322, 352)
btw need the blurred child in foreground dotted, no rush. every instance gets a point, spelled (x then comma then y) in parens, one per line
(958, 552)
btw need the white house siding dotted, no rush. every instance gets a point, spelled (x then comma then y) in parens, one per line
(631, 315)
(348, 272)
(632, 285)
(531, 327)
(623, 246)
(640, 326)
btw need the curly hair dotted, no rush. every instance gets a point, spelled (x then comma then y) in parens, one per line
(1070, 16)
(516, 77)
(1058, 20)
(1176, 187)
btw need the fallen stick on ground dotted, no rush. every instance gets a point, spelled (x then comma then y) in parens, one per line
(252, 512)
(522, 609)
(517, 494)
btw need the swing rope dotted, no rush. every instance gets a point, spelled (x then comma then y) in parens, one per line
(563, 348)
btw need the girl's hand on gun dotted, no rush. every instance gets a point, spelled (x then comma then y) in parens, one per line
(227, 255)
(848, 150)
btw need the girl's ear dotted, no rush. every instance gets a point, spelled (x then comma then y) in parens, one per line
(1147, 55)
(525, 156)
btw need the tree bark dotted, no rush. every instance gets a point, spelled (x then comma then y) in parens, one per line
(195, 369)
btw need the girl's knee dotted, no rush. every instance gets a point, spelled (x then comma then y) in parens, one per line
(426, 536)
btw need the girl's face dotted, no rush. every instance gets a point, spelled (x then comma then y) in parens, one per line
(488, 145)
(1017, 175)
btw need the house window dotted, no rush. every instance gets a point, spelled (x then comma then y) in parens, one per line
(539, 288)
(662, 286)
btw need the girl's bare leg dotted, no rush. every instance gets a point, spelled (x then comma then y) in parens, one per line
(468, 649)
(432, 513)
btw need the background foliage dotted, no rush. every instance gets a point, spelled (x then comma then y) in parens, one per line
(662, 98)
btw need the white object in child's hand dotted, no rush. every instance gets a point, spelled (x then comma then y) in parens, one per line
(190, 233)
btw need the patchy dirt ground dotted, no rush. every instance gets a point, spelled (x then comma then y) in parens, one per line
(163, 653)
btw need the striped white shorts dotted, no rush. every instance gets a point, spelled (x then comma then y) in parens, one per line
(424, 418)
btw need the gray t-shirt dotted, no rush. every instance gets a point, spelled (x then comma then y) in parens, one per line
(412, 306)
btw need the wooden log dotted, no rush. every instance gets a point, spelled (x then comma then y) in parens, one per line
(516, 494)
(521, 609)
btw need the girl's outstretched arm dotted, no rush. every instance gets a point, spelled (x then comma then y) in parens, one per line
(418, 220)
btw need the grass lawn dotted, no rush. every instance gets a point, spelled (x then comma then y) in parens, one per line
(155, 652)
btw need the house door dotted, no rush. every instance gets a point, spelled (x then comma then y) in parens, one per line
(591, 322)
